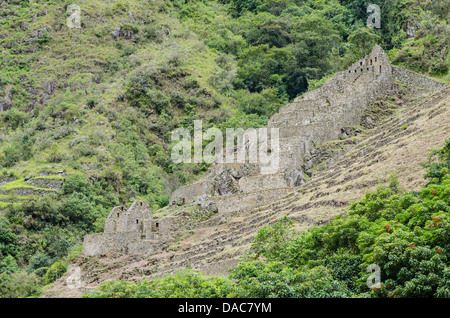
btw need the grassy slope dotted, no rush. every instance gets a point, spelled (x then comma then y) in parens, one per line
(92, 65)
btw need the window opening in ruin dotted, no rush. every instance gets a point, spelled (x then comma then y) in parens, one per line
(375, 59)
(380, 68)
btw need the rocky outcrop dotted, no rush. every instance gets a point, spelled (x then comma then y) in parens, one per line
(23, 191)
(415, 80)
(7, 179)
(5, 98)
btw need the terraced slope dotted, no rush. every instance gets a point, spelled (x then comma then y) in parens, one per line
(14, 189)
(358, 165)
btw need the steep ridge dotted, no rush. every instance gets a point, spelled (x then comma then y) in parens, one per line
(214, 243)
(325, 114)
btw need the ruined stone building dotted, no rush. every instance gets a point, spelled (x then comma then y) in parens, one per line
(126, 230)
(327, 113)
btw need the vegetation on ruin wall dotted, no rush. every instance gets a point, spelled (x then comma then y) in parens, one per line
(101, 107)
(407, 234)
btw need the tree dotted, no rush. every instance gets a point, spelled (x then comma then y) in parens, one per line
(7, 238)
(262, 67)
(362, 41)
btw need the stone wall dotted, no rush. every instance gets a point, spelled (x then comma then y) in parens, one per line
(23, 191)
(55, 184)
(203, 186)
(106, 243)
(246, 201)
(261, 182)
(7, 179)
(113, 218)
(415, 79)
(167, 226)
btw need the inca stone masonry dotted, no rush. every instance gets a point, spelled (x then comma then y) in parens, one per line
(310, 120)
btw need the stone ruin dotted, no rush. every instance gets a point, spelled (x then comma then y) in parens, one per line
(126, 231)
(318, 116)
(327, 113)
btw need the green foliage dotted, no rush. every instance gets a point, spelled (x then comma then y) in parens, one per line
(8, 265)
(431, 40)
(55, 271)
(111, 104)
(263, 104)
(7, 238)
(275, 280)
(244, 121)
(261, 67)
(362, 41)
(182, 285)
(19, 285)
(38, 261)
(75, 183)
(19, 149)
(14, 118)
(437, 169)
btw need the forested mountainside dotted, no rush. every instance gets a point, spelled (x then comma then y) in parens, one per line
(86, 113)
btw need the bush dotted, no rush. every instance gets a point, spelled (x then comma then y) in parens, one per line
(271, 240)
(19, 285)
(8, 244)
(8, 265)
(275, 280)
(39, 261)
(19, 149)
(76, 183)
(57, 270)
(185, 284)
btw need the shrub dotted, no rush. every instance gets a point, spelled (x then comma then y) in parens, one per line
(38, 261)
(55, 271)
(275, 280)
(75, 183)
(184, 284)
